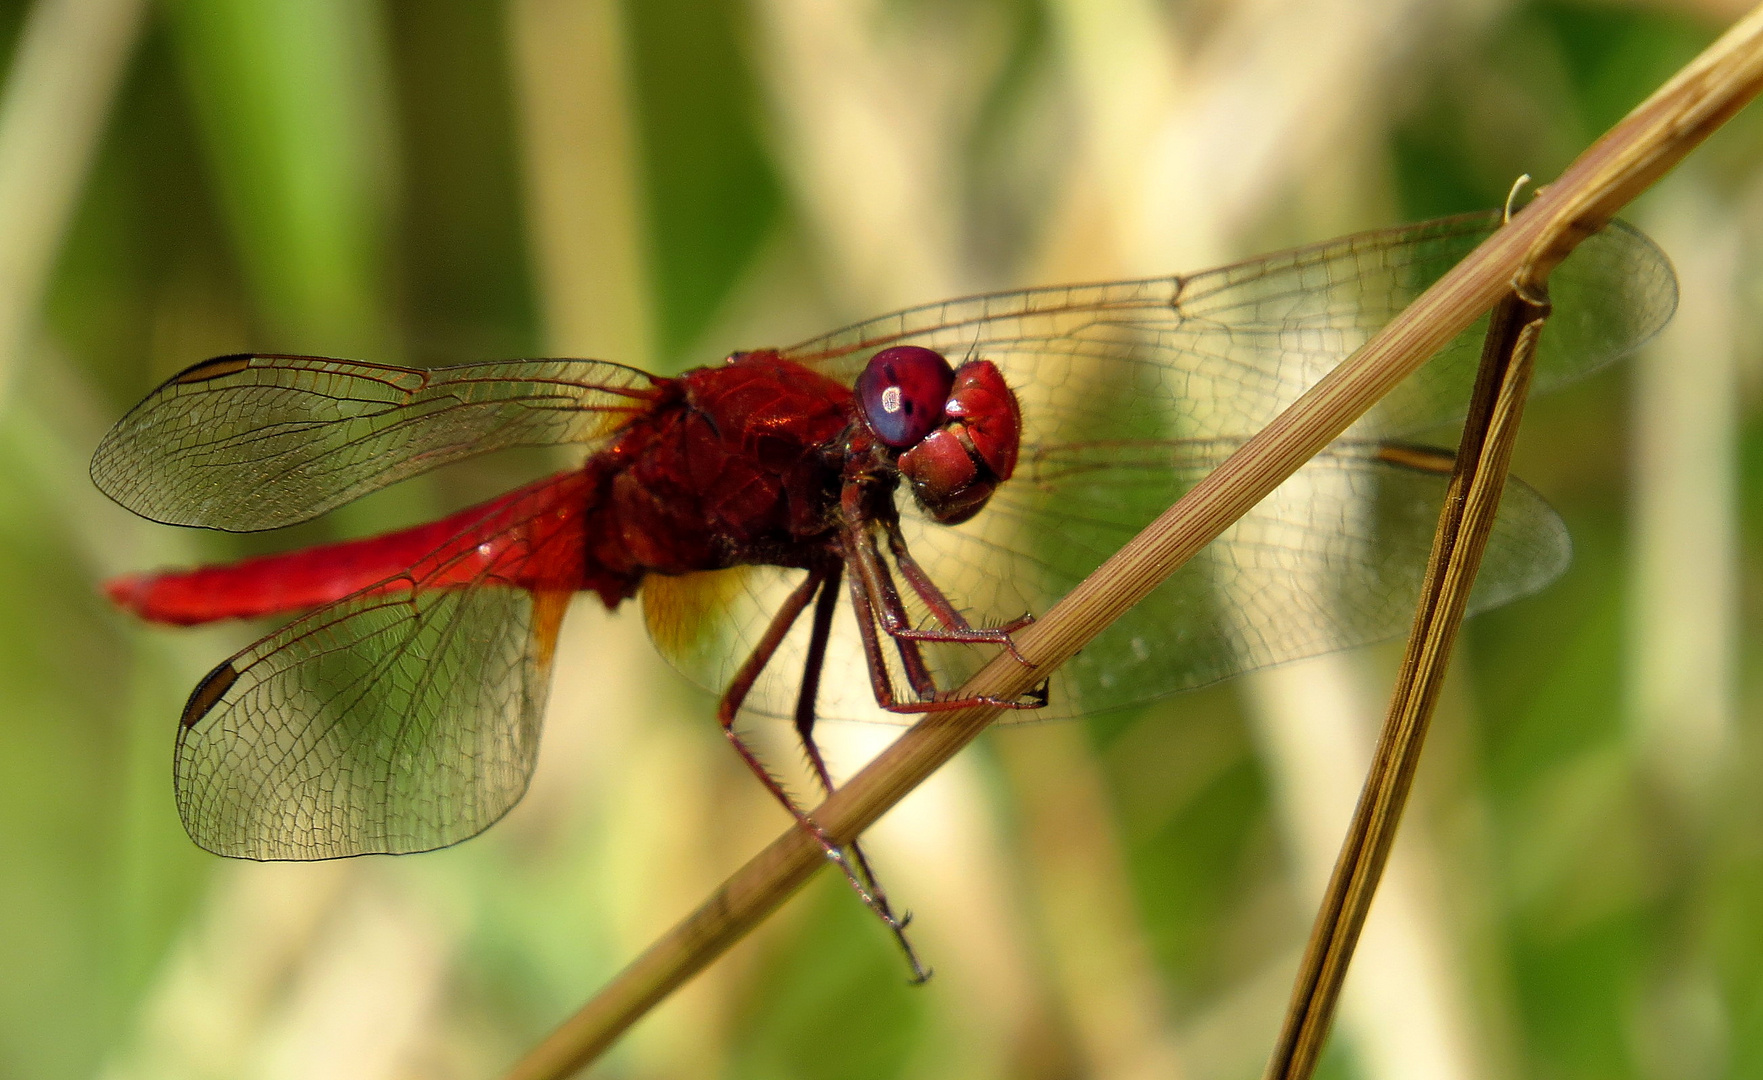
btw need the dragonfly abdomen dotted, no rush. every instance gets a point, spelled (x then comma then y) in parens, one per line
(531, 538)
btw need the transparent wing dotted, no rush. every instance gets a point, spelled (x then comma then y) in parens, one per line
(1130, 391)
(1220, 353)
(403, 718)
(257, 442)
(1332, 559)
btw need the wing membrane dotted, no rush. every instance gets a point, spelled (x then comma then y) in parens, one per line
(257, 442)
(1331, 559)
(1220, 353)
(403, 718)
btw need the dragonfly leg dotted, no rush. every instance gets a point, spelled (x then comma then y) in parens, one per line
(824, 609)
(730, 708)
(877, 604)
(956, 626)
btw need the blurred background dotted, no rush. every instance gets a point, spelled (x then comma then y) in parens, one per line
(1578, 889)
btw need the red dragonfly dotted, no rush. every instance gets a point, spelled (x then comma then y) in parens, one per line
(945, 470)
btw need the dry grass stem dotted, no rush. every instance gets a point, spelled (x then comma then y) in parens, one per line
(1611, 172)
(70, 58)
(1465, 522)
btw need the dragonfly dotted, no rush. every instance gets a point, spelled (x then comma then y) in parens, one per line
(844, 528)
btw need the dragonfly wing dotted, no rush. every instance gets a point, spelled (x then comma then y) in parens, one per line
(1220, 353)
(707, 623)
(403, 718)
(257, 442)
(1332, 559)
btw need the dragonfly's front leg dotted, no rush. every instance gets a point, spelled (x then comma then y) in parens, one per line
(877, 604)
(955, 625)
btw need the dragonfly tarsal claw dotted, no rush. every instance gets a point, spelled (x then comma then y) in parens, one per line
(1010, 641)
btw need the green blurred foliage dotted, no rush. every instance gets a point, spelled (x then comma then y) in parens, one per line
(713, 195)
(461, 266)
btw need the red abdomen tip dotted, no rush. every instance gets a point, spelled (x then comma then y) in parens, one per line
(128, 592)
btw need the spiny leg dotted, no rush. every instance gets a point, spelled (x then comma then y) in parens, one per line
(929, 698)
(805, 716)
(863, 555)
(824, 608)
(939, 605)
(877, 604)
(956, 627)
(730, 707)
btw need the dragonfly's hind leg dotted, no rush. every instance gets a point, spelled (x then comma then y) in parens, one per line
(805, 716)
(861, 878)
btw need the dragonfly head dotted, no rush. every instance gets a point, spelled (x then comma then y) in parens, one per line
(957, 429)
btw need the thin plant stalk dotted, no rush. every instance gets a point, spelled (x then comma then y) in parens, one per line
(1619, 166)
(1465, 522)
(70, 58)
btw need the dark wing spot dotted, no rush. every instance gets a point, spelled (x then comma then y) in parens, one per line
(208, 692)
(215, 368)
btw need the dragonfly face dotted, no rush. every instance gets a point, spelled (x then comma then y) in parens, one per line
(955, 468)
(952, 434)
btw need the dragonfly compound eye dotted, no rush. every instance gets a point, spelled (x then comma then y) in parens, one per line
(902, 392)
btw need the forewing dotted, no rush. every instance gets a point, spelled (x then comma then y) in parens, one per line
(1219, 354)
(1332, 559)
(257, 442)
(403, 718)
